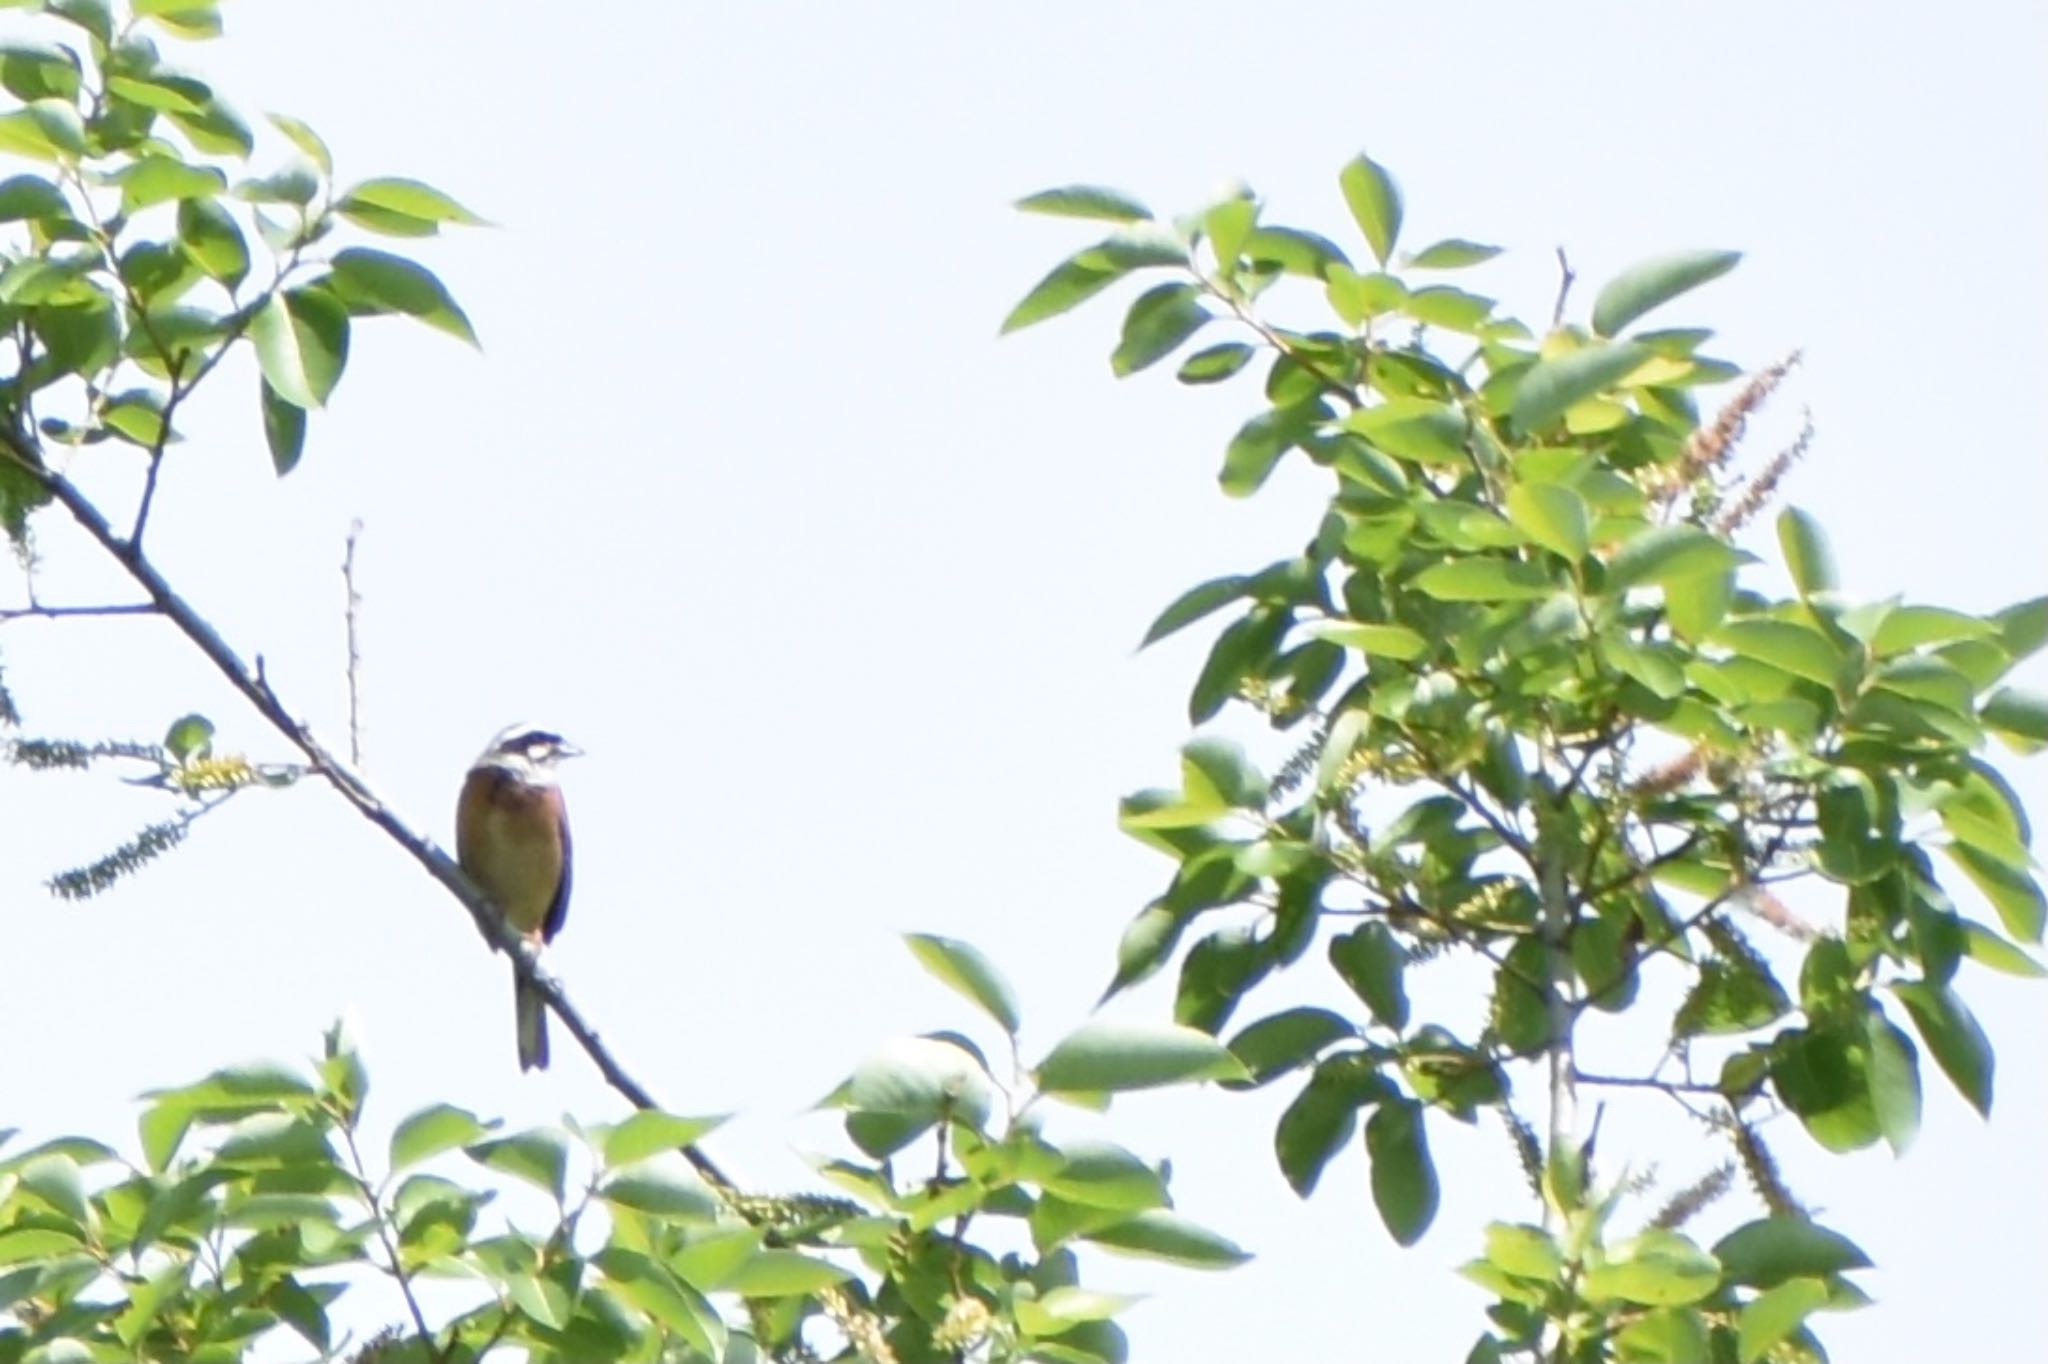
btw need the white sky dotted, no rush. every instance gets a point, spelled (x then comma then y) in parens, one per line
(839, 591)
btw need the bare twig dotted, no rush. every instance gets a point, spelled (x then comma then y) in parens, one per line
(355, 655)
(1645, 1082)
(362, 1178)
(37, 611)
(1566, 277)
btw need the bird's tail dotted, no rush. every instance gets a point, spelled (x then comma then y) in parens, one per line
(533, 1025)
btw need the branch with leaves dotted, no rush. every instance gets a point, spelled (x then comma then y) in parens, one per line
(137, 255)
(1553, 720)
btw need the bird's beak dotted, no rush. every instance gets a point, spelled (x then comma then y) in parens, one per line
(567, 750)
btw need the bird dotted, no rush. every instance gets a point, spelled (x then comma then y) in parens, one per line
(512, 838)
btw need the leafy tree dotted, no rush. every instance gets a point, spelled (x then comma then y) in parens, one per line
(1538, 711)
(1544, 713)
(141, 250)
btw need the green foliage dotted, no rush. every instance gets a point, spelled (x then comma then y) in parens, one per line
(252, 1211)
(1554, 722)
(139, 249)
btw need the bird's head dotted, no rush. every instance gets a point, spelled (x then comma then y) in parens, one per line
(528, 752)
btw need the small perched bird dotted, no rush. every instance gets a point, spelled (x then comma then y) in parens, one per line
(512, 837)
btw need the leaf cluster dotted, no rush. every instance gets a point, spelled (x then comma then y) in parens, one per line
(140, 247)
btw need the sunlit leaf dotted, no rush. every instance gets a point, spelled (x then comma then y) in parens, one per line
(1642, 287)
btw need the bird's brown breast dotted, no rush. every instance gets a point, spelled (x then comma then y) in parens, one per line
(509, 837)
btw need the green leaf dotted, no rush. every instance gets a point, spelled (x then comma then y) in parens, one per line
(1416, 429)
(54, 1181)
(1988, 949)
(1776, 1314)
(1666, 554)
(2022, 907)
(1086, 273)
(1105, 1057)
(46, 129)
(2019, 717)
(1894, 1082)
(1642, 287)
(1098, 1175)
(378, 281)
(1371, 962)
(1908, 627)
(540, 1156)
(1552, 386)
(1280, 1043)
(1656, 668)
(301, 341)
(1854, 846)
(1797, 649)
(1258, 445)
(1194, 604)
(783, 1274)
(1452, 253)
(1216, 774)
(1554, 517)
(1484, 579)
(432, 1130)
(37, 1243)
(1768, 1252)
(306, 140)
(656, 1290)
(1086, 201)
(651, 1132)
(1404, 1185)
(1213, 364)
(32, 71)
(1452, 309)
(1667, 1335)
(1065, 1307)
(1524, 1251)
(394, 196)
(1161, 1235)
(213, 240)
(284, 429)
(1159, 320)
(1656, 1269)
(1314, 1128)
(33, 197)
(672, 1194)
(1950, 1031)
(153, 180)
(1375, 202)
(2023, 627)
(1382, 641)
(924, 1079)
(1295, 252)
(1806, 552)
(1985, 835)
(963, 967)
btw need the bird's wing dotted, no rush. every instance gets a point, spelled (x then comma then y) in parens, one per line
(558, 908)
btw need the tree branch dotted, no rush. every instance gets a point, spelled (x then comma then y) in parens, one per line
(256, 689)
(37, 611)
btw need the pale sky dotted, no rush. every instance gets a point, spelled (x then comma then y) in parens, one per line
(840, 592)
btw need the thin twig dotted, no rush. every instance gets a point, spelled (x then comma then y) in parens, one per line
(1566, 276)
(37, 611)
(355, 656)
(419, 1318)
(1645, 1082)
